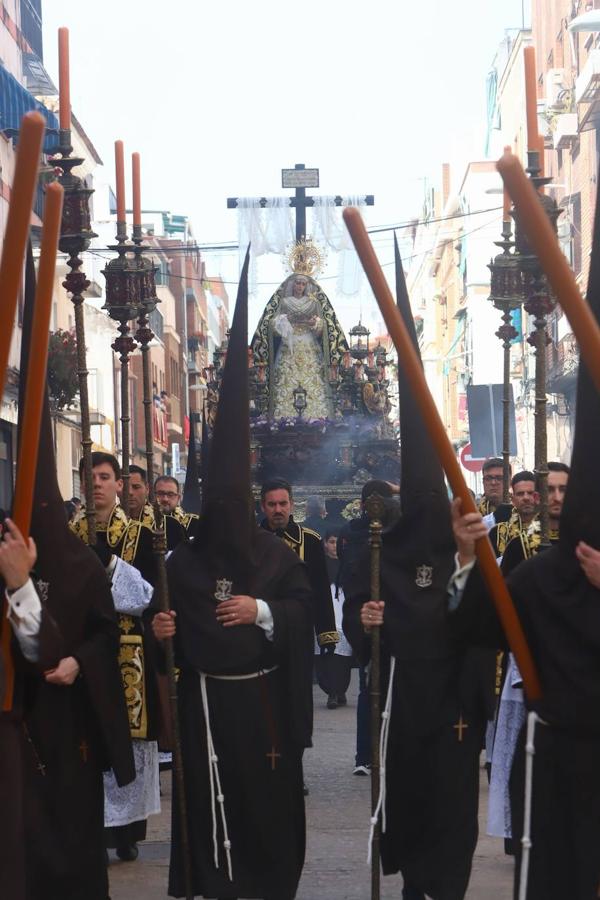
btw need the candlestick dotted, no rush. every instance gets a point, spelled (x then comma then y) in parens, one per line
(136, 187)
(64, 85)
(531, 98)
(542, 157)
(31, 415)
(23, 187)
(542, 239)
(414, 374)
(120, 182)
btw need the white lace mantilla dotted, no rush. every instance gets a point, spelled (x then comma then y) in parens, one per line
(131, 594)
(141, 798)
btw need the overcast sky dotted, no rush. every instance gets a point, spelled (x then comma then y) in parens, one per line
(218, 97)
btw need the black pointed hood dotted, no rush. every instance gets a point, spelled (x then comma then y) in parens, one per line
(227, 522)
(205, 450)
(422, 474)
(580, 519)
(191, 501)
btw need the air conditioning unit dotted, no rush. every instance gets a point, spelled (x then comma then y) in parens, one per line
(565, 130)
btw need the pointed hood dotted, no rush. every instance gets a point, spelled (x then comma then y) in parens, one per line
(191, 501)
(422, 473)
(227, 523)
(580, 519)
(62, 559)
(205, 450)
(78, 590)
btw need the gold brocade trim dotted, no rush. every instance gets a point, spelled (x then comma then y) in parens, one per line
(131, 663)
(328, 637)
(126, 624)
(506, 531)
(130, 544)
(485, 507)
(115, 528)
(295, 544)
(310, 531)
(147, 516)
(531, 542)
(184, 518)
(499, 660)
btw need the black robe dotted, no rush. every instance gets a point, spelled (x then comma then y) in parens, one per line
(74, 733)
(560, 613)
(249, 718)
(432, 767)
(14, 751)
(307, 544)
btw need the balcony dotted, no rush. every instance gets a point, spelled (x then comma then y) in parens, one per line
(565, 131)
(587, 91)
(562, 360)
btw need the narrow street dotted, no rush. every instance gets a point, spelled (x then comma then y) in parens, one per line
(338, 823)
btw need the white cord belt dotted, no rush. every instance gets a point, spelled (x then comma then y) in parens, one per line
(214, 778)
(532, 720)
(383, 745)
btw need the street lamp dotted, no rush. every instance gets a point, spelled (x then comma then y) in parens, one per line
(505, 294)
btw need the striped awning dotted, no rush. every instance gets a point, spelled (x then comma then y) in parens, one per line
(15, 101)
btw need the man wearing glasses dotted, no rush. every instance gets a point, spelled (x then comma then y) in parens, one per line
(490, 505)
(168, 493)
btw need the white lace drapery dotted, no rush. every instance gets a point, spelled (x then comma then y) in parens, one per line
(141, 797)
(330, 230)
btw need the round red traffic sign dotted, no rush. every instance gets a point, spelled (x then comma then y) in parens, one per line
(472, 464)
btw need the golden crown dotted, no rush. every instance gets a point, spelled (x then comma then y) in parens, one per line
(305, 258)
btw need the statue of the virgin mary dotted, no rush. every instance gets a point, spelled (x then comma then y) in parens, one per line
(299, 339)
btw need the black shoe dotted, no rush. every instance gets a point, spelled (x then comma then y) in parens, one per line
(342, 700)
(305, 790)
(409, 892)
(332, 702)
(128, 853)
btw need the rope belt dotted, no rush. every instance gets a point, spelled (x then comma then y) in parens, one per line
(214, 778)
(532, 720)
(383, 745)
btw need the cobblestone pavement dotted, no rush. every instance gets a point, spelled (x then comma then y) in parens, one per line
(338, 821)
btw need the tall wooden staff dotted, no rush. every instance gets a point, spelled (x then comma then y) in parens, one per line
(375, 511)
(408, 359)
(161, 590)
(76, 234)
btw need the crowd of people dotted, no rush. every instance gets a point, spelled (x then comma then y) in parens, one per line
(257, 607)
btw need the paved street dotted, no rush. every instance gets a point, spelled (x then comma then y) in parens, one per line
(338, 821)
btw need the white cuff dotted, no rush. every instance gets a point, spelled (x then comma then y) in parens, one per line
(457, 582)
(24, 612)
(264, 619)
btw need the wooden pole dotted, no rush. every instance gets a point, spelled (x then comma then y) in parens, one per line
(162, 593)
(408, 359)
(531, 98)
(542, 239)
(64, 84)
(375, 511)
(31, 415)
(31, 136)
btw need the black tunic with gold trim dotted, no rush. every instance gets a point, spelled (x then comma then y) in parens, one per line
(131, 540)
(308, 546)
(175, 526)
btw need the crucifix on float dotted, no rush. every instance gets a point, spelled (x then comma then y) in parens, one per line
(300, 178)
